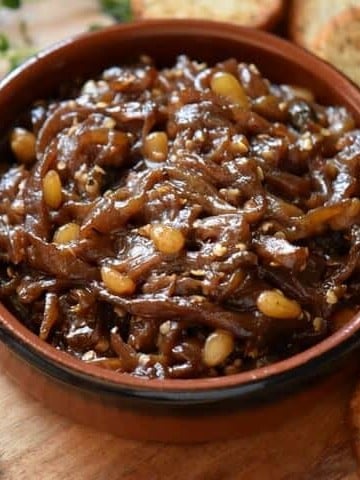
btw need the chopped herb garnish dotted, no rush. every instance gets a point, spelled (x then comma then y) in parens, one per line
(10, 3)
(119, 9)
(4, 43)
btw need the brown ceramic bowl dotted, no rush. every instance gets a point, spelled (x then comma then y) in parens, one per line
(174, 410)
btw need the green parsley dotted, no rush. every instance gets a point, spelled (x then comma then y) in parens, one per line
(119, 9)
(4, 43)
(10, 3)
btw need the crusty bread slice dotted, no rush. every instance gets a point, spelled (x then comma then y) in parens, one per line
(309, 17)
(339, 43)
(252, 13)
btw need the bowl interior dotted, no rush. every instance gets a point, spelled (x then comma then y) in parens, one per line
(87, 55)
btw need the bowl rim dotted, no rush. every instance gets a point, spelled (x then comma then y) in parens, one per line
(14, 329)
(255, 384)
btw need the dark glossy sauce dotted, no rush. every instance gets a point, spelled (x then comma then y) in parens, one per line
(181, 222)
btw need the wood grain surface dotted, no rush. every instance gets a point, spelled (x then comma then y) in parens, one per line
(37, 444)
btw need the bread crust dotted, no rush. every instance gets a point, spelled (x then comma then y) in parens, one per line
(339, 42)
(308, 17)
(266, 18)
(336, 26)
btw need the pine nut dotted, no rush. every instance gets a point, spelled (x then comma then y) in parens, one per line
(67, 233)
(239, 144)
(219, 250)
(217, 348)
(273, 303)
(156, 146)
(167, 239)
(52, 189)
(117, 282)
(23, 145)
(228, 86)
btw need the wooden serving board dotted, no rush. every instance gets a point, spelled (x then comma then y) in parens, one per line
(37, 444)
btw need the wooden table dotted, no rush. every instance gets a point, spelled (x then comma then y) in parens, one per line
(37, 444)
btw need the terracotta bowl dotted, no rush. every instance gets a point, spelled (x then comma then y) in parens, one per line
(174, 410)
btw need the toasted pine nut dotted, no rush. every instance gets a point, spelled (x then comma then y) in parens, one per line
(226, 85)
(217, 348)
(52, 189)
(165, 327)
(67, 233)
(219, 250)
(117, 282)
(167, 239)
(23, 145)
(88, 356)
(273, 303)
(239, 144)
(156, 146)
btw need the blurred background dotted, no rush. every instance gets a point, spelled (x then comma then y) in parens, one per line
(328, 28)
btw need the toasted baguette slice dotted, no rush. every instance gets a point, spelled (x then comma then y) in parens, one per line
(309, 17)
(253, 13)
(339, 43)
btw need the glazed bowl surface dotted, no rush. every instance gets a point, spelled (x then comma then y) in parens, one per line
(114, 401)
